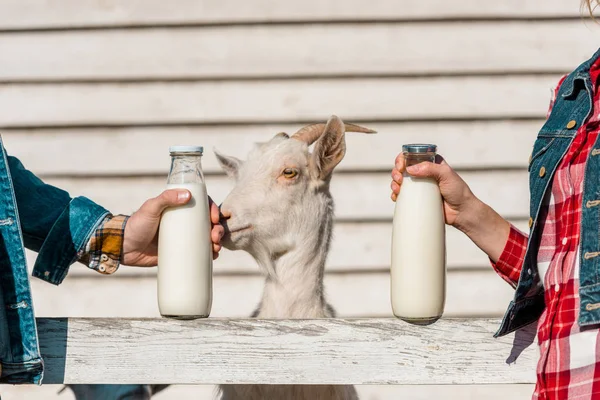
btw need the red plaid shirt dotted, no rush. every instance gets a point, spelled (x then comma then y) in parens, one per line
(569, 365)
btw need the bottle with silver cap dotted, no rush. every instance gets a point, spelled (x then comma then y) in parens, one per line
(418, 271)
(184, 245)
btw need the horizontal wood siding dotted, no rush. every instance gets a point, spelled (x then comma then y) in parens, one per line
(281, 51)
(306, 100)
(478, 293)
(356, 247)
(473, 145)
(31, 14)
(358, 196)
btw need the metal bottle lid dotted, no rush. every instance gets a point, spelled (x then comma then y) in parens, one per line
(419, 148)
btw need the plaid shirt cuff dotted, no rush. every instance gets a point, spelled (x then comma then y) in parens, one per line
(510, 263)
(104, 249)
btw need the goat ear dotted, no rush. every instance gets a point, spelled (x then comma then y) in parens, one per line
(230, 165)
(330, 149)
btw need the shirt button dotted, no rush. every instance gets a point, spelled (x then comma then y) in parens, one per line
(542, 172)
(557, 287)
(529, 271)
(47, 273)
(571, 124)
(564, 241)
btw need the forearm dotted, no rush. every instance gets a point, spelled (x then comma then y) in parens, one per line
(485, 227)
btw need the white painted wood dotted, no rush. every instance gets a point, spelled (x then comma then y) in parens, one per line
(470, 293)
(411, 392)
(123, 151)
(355, 247)
(264, 101)
(358, 196)
(27, 14)
(330, 50)
(326, 351)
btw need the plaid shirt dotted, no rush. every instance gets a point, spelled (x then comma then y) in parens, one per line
(569, 365)
(103, 251)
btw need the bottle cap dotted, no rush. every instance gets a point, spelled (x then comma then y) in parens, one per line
(186, 149)
(419, 148)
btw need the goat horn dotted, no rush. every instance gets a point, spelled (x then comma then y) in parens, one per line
(311, 133)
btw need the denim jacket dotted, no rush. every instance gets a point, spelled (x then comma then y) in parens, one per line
(571, 109)
(47, 220)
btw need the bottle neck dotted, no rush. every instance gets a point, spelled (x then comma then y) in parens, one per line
(416, 158)
(185, 168)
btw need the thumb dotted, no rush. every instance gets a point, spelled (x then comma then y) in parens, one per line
(439, 172)
(169, 198)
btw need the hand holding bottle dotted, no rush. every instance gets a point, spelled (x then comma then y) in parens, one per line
(456, 193)
(462, 209)
(140, 241)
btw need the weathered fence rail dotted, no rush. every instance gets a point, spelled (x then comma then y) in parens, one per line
(325, 351)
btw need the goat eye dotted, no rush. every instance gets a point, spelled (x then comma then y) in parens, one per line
(290, 173)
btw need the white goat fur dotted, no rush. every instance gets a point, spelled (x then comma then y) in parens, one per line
(281, 212)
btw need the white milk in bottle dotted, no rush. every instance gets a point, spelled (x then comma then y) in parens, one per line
(418, 272)
(184, 244)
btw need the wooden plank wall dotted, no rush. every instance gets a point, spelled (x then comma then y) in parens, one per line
(93, 92)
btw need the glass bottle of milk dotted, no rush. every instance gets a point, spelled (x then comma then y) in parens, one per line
(418, 272)
(184, 245)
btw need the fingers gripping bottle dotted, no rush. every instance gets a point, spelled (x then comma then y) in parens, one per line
(418, 269)
(184, 244)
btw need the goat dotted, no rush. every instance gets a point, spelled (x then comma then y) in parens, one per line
(281, 212)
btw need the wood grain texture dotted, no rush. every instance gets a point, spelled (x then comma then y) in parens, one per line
(328, 351)
(470, 293)
(29, 14)
(368, 99)
(142, 151)
(317, 50)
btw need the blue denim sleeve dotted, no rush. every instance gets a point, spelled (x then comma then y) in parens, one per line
(53, 224)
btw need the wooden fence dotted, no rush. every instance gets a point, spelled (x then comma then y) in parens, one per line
(324, 351)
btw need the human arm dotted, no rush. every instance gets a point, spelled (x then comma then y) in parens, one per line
(463, 210)
(64, 229)
(133, 240)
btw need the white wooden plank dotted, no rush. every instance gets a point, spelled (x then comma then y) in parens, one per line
(265, 51)
(28, 14)
(116, 151)
(202, 392)
(355, 247)
(265, 101)
(326, 351)
(469, 293)
(357, 195)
